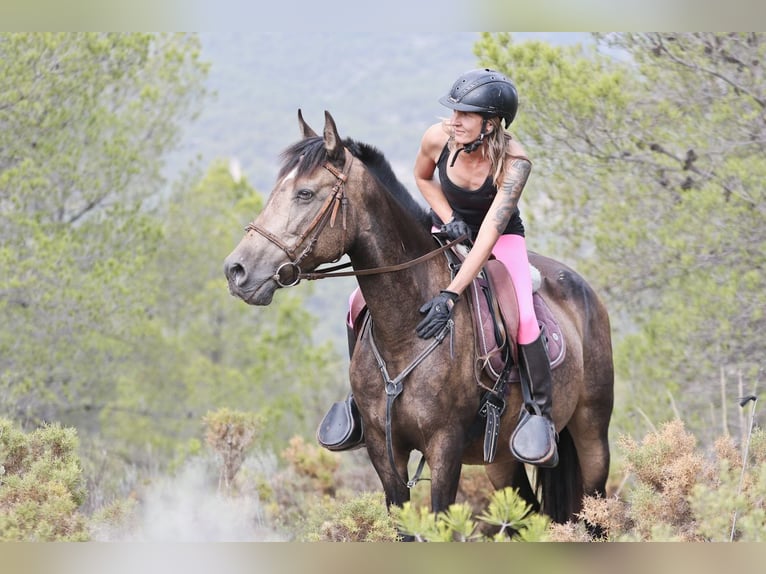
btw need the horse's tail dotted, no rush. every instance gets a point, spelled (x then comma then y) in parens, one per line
(561, 487)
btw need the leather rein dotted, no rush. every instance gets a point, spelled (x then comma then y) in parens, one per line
(335, 202)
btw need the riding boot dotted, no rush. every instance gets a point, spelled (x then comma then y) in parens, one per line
(341, 428)
(534, 440)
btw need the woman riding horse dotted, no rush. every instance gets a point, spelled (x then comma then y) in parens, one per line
(482, 172)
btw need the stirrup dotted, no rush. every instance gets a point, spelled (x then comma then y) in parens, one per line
(534, 440)
(341, 429)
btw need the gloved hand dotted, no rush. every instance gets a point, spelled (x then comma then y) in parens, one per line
(437, 312)
(455, 228)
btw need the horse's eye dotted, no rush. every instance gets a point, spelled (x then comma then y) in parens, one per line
(305, 194)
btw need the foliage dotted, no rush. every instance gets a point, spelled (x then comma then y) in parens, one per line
(115, 521)
(230, 434)
(361, 518)
(86, 119)
(312, 462)
(116, 317)
(506, 511)
(41, 485)
(677, 494)
(665, 134)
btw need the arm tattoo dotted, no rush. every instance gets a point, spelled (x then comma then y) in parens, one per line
(513, 184)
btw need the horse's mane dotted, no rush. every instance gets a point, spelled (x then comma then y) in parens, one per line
(310, 154)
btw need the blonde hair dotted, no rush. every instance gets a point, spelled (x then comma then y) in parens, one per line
(495, 147)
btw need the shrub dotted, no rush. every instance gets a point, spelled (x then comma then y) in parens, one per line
(678, 495)
(313, 463)
(362, 518)
(41, 485)
(230, 434)
(511, 516)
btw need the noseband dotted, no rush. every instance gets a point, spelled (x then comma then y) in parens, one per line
(328, 213)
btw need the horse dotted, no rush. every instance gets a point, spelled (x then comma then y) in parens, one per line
(336, 197)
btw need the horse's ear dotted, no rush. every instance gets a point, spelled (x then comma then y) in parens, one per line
(332, 142)
(306, 130)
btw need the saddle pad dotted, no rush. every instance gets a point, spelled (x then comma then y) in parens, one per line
(553, 336)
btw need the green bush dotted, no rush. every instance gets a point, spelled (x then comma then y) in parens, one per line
(511, 516)
(362, 518)
(41, 485)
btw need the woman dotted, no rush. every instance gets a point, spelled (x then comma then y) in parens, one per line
(482, 171)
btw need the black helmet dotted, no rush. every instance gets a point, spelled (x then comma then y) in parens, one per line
(483, 91)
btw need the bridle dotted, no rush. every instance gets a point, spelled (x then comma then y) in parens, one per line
(336, 201)
(327, 214)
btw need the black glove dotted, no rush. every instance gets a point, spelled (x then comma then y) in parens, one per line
(455, 228)
(437, 312)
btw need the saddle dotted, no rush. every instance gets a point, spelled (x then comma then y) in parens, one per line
(495, 314)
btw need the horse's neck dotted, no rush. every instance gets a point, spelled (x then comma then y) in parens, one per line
(394, 298)
(388, 234)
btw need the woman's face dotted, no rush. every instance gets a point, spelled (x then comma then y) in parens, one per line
(466, 126)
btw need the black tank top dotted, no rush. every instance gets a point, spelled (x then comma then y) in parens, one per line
(471, 205)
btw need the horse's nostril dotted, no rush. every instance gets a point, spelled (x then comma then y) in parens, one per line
(235, 273)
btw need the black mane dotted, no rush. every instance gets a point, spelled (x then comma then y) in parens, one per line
(314, 155)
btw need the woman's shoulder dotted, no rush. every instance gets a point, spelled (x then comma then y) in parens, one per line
(436, 135)
(434, 139)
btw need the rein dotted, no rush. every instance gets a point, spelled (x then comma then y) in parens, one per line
(331, 271)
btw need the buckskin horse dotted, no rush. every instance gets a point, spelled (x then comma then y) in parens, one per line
(338, 196)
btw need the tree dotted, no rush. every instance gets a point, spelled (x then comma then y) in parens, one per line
(85, 120)
(650, 152)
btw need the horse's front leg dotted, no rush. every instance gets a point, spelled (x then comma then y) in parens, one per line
(392, 480)
(444, 456)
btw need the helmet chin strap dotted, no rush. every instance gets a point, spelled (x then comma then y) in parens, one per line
(473, 145)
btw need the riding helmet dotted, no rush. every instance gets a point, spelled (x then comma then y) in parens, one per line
(483, 91)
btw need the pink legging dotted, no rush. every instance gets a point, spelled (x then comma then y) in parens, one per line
(512, 251)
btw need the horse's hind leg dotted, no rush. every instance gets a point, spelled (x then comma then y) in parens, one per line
(590, 428)
(514, 474)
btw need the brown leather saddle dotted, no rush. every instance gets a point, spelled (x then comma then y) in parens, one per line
(495, 312)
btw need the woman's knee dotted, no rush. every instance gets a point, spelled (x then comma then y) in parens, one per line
(529, 329)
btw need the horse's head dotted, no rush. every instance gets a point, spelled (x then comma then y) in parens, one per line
(304, 222)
